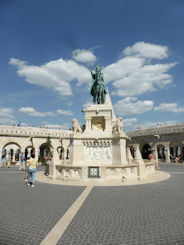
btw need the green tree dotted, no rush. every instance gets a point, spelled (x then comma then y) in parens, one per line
(83, 127)
(48, 147)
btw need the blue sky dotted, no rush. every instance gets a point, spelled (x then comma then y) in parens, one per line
(48, 46)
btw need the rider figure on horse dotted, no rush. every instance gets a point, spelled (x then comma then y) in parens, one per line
(98, 89)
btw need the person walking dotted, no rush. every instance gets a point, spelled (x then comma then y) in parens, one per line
(32, 170)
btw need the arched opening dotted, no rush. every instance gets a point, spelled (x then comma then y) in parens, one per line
(60, 151)
(10, 153)
(3, 158)
(146, 149)
(160, 152)
(132, 151)
(17, 155)
(67, 154)
(29, 151)
(42, 153)
(176, 151)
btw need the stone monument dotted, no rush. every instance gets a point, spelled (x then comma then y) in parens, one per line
(100, 151)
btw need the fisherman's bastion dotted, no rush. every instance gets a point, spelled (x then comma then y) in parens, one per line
(164, 141)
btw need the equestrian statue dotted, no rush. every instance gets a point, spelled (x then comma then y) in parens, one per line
(98, 89)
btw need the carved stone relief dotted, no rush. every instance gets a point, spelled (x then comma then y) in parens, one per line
(97, 153)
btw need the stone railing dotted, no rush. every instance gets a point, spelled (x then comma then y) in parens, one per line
(116, 172)
(32, 132)
(156, 131)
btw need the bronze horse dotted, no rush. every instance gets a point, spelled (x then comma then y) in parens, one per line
(98, 89)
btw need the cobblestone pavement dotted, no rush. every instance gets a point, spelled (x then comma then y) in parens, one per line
(148, 214)
(27, 214)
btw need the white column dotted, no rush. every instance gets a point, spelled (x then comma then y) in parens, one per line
(129, 155)
(55, 154)
(139, 160)
(13, 158)
(107, 123)
(29, 152)
(167, 154)
(88, 124)
(155, 154)
(174, 150)
(137, 152)
(36, 154)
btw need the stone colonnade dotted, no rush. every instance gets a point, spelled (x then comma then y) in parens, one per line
(14, 140)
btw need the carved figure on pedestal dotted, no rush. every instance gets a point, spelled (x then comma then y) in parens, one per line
(75, 126)
(117, 128)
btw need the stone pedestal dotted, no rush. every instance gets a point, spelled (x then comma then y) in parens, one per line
(139, 160)
(76, 151)
(52, 170)
(119, 151)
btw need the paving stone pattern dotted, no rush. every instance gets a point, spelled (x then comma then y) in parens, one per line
(27, 214)
(151, 214)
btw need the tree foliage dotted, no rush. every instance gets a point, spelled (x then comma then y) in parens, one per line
(48, 147)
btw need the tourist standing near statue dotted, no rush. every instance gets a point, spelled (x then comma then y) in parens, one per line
(32, 170)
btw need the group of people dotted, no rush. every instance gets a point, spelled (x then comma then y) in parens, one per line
(30, 168)
(177, 159)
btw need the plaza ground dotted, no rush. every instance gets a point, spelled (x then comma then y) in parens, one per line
(147, 214)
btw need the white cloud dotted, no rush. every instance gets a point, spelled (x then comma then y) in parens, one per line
(6, 116)
(146, 79)
(6, 112)
(148, 124)
(65, 112)
(147, 50)
(84, 56)
(32, 112)
(6, 121)
(130, 106)
(57, 126)
(172, 107)
(55, 75)
(129, 121)
(135, 74)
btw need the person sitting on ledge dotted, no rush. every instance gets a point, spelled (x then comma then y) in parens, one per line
(150, 157)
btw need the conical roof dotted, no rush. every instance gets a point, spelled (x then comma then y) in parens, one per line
(108, 102)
